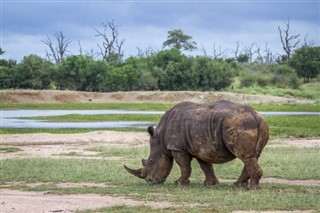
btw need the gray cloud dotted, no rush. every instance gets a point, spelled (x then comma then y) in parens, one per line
(145, 24)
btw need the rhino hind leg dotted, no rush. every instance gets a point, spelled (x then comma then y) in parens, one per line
(243, 179)
(254, 171)
(184, 162)
(207, 169)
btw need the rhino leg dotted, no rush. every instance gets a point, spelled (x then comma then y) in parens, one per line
(184, 162)
(243, 179)
(207, 169)
(255, 172)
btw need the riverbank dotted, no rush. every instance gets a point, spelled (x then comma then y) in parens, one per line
(56, 96)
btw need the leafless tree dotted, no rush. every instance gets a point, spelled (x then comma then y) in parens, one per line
(250, 51)
(203, 49)
(111, 44)
(236, 51)
(268, 57)
(288, 39)
(218, 53)
(146, 53)
(57, 52)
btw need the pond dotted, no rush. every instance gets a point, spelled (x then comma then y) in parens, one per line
(12, 118)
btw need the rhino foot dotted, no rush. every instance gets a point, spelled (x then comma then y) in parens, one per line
(241, 184)
(210, 182)
(253, 185)
(182, 182)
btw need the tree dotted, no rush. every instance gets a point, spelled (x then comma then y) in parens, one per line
(59, 51)
(111, 47)
(33, 72)
(177, 39)
(243, 58)
(306, 62)
(286, 40)
(1, 51)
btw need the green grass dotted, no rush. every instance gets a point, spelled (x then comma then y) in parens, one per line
(297, 126)
(290, 163)
(307, 91)
(151, 106)
(9, 149)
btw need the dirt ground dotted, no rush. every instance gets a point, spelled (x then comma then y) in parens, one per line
(54, 96)
(55, 145)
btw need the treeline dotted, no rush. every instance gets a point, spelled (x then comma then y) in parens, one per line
(164, 70)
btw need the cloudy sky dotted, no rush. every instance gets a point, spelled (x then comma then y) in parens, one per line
(144, 24)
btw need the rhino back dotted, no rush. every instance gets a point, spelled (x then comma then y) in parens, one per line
(206, 131)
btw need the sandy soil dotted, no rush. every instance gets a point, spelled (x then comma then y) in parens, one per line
(54, 96)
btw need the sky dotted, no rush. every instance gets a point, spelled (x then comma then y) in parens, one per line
(213, 25)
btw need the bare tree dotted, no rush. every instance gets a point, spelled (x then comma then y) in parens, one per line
(218, 53)
(203, 49)
(111, 44)
(268, 57)
(236, 51)
(57, 52)
(287, 40)
(249, 51)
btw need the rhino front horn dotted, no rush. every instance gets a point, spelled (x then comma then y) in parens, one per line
(135, 172)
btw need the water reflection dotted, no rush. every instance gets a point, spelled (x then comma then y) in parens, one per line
(12, 118)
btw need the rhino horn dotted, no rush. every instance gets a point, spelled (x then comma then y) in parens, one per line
(135, 172)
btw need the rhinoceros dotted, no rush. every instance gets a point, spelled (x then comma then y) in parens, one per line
(211, 133)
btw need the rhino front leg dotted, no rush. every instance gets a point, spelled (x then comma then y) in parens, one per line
(184, 162)
(207, 169)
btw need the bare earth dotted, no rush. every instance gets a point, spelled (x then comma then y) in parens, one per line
(53, 145)
(54, 96)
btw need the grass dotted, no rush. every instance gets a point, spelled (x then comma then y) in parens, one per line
(289, 163)
(9, 149)
(307, 91)
(151, 106)
(297, 126)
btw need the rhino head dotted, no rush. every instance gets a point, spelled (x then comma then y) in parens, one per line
(157, 167)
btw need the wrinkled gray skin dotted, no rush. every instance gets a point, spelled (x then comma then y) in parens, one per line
(212, 134)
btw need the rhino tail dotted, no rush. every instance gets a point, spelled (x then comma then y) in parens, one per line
(263, 134)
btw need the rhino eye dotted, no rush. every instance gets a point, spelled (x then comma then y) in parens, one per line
(150, 161)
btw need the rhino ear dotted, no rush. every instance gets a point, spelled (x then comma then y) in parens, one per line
(144, 162)
(151, 130)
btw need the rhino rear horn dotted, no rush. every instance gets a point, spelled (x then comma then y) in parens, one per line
(135, 172)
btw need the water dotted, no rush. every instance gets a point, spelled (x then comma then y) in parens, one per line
(12, 118)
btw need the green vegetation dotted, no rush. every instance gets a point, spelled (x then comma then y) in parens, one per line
(9, 149)
(305, 91)
(164, 70)
(297, 126)
(289, 163)
(155, 106)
